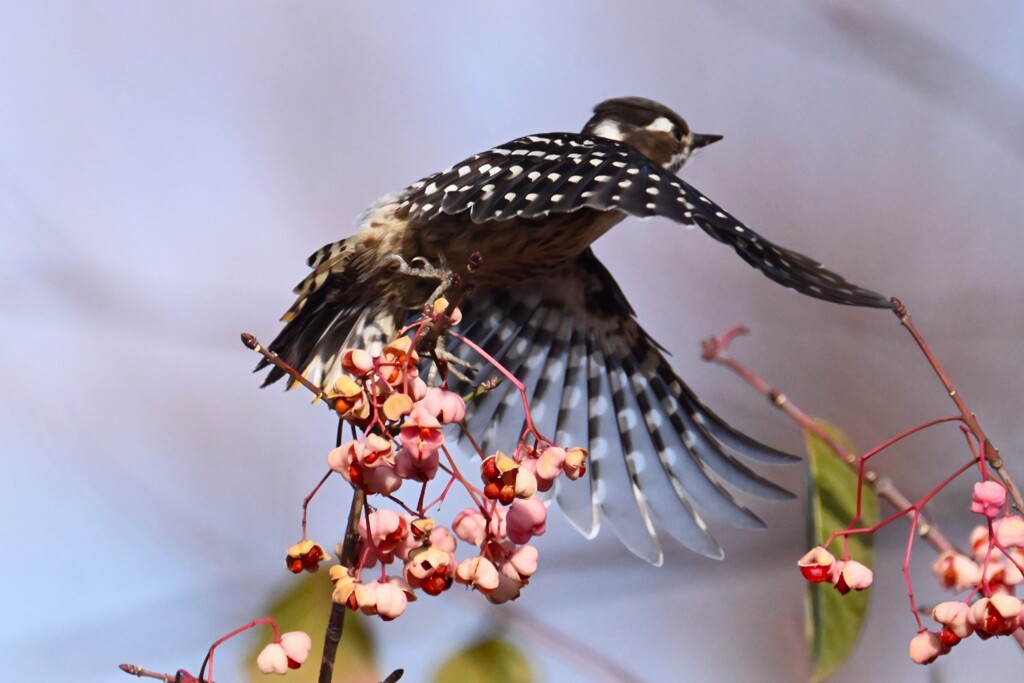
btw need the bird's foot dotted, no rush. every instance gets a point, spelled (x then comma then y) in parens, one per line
(421, 268)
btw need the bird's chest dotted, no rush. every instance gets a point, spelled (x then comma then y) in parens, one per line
(514, 250)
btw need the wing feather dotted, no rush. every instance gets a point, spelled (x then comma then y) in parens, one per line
(530, 177)
(659, 458)
(645, 469)
(687, 473)
(610, 469)
(576, 498)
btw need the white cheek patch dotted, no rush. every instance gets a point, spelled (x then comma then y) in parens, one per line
(661, 125)
(610, 130)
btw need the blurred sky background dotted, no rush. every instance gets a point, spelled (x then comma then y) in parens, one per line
(166, 167)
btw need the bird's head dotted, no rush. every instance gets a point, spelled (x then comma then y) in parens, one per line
(658, 132)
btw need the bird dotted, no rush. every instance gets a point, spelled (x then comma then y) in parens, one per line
(526, 213)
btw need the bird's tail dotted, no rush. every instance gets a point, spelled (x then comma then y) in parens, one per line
(334, 310)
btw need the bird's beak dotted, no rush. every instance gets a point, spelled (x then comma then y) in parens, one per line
(698, 140)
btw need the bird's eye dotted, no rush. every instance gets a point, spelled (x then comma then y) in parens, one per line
(677, 132)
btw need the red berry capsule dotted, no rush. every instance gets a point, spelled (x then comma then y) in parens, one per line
(489, 469)
(948, 638)
(507, 495)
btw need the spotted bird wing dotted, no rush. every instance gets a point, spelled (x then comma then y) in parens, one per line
(659, 458)
(538, 175)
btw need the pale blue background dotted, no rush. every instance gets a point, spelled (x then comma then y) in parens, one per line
(165, 167)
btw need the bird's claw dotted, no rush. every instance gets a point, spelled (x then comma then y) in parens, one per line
(421, 268)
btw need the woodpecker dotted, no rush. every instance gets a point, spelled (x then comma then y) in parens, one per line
(545, 307)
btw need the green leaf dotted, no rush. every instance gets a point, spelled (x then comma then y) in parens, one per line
(306, 607)
(489, 660)
(834, 621)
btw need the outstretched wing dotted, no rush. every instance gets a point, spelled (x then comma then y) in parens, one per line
(538, 175)
(658, 456)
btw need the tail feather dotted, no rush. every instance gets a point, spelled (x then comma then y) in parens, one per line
(333, 311)
(312, 343)
(329, 260)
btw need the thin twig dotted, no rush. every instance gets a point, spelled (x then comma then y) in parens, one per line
(970, 419)
(146, 673)
(253, 343)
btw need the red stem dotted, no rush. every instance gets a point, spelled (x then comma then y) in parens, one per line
(305, 501)
(240, 629)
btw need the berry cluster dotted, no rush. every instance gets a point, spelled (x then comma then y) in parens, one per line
(991, 574)
(398, 422)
